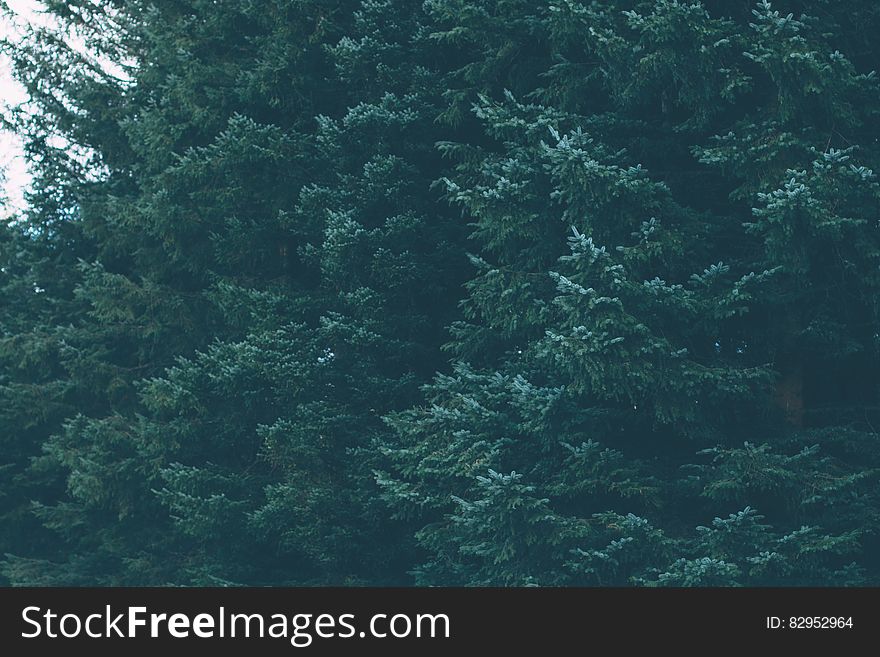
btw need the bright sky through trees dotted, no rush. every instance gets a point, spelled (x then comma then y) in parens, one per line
(11, 158)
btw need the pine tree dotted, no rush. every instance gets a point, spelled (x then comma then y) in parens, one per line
(614, 394)
(53, 363)
(273, 478)
(184, 153)
(275, 277)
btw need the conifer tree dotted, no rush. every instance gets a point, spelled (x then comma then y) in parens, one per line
(614, 394)
(185, 153)
(271, 275)
(273, 478)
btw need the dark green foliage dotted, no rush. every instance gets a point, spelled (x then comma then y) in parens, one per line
(470, 292)
(688, 307)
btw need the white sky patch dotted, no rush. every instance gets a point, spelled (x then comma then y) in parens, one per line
(12, 160)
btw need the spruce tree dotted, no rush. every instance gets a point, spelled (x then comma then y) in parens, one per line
(272, 276)
(184, 153)
(273, 476)
(54, 362)
(672, 313)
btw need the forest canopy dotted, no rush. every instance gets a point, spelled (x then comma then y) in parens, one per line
(454, 292)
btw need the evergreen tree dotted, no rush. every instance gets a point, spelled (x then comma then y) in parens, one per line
(287, 413)
(275, 277)
(53, 363)
(658, 371)
(203, 84)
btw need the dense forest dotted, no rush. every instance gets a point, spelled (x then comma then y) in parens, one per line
(454, 292)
